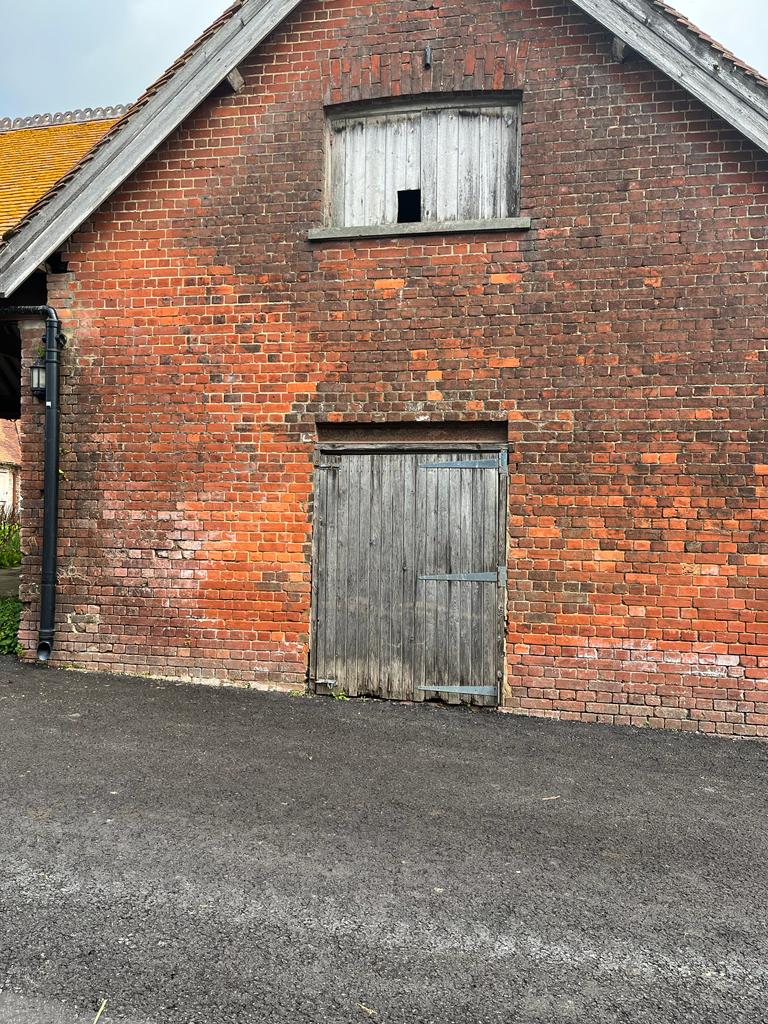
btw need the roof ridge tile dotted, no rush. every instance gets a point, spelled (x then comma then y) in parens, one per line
(80, 116)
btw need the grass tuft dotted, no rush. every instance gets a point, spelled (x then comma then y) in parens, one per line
(10, 614)
(10, 539)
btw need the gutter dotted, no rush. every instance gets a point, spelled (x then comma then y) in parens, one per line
(54, 342)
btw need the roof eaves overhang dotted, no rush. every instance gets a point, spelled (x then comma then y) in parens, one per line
(136, 138)
(688, 59)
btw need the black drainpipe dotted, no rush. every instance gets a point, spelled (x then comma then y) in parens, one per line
(53, 343)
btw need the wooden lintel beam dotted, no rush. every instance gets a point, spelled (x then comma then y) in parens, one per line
(235, 81)
(620, 49)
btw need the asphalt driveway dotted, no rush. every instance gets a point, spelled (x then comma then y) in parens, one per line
(219, 857)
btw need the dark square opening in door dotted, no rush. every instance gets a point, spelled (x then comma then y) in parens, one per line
(409, 206)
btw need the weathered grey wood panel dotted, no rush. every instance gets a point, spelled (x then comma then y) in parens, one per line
(386, 525)
(354, 176)
(464, 159)
(464, 535)
(447, 170)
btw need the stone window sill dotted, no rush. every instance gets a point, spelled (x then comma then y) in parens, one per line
(445, 227)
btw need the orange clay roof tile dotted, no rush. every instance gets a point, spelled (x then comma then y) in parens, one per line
(32, 160)
(12, 219)
(58, 183)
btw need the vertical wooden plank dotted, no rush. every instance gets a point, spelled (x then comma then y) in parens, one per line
(501, 603)
(389, 609)
(344, 668)
(483, 157)
(383, 625)
(420, 587)
(375, 170)
(358, 543)
(398, 558)
(435, 564)
(397, 648)
(355, 183)
(330, 597)
(477, 609)
(408, 576)
(395, 571)
(385, 607)
(395, 153)
(512, 132)
(448, 165)
(341, 673)
(443, 534)
(375, 577)
(430, 159)
(412, 153)
(324, 556)
(395, 576)
(490, 147)
(469, 159)
(454, 589)
(506, 173)
(367, 605)
(478, 638)
(486, 591)
(318, 567)
(431, 588)
(468, 564)
(337, 142)
(491, 561)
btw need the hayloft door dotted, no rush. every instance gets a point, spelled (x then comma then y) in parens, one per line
(409, 574)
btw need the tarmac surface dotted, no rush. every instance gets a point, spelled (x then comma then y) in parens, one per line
(199, 856)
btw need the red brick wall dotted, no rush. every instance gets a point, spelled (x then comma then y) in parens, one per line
(624, 338)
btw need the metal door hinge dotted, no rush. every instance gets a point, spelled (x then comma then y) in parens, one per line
(463, 577)
(464, 464)
(478, 691)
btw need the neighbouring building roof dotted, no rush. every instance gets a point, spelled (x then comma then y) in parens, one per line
(10, 447)
(36, 152)
(651, 28)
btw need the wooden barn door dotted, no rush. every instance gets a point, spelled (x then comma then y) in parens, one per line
(409, 574)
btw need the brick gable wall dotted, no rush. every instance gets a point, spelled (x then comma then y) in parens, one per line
(623, 338)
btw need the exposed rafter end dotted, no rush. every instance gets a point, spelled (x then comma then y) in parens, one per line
(652, 32)
(234, 81)
(620, 50)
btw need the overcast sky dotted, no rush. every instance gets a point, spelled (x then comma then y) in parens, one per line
(86, 53)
